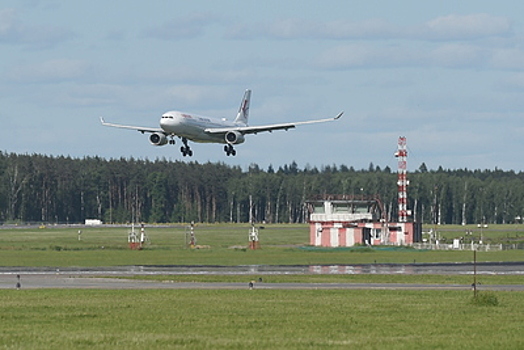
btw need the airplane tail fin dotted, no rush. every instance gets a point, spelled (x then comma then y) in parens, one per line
(243, 111)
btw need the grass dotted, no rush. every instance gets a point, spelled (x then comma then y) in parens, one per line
(224, 245)
(240, 319)
(496, 234)
(259, 319)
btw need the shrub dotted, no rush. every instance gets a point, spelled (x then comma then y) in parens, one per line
(485, 299)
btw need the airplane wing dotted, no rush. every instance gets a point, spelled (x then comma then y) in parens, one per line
(138, 128)
(256, 129)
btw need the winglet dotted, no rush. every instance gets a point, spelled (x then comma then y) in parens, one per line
(102, 120)
(339, 115)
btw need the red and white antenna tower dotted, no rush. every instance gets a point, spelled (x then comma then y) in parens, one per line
(402, 182)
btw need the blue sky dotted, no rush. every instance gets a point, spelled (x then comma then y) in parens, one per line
(448, 75)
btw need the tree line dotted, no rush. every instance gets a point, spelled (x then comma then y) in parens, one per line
(39, 188)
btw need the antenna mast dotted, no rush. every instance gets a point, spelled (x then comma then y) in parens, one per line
(402, 182)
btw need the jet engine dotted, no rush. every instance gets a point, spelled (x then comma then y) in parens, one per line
(158, 139)
(234, 137)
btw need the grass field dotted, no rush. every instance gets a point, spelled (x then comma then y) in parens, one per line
(223, 245)
(258, 319)
(342, 278)
(505, 234)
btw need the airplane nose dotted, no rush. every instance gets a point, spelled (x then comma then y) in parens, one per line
(167, 122)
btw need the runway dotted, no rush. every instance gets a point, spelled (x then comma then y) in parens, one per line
(107, 277)
(58, 281)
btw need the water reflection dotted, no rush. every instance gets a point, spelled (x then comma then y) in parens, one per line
(510, 268)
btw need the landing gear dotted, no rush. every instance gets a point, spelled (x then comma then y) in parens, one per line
(230, 151)
(186, 151)
(172, 141)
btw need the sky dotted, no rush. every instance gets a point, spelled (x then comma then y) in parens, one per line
(447, 75)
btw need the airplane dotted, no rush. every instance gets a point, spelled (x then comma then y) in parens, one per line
(191, 127)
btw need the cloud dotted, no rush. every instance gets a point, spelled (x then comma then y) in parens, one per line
(514, 82)
(185, 74)
(7, 22)
(441, 55)
(182, 28)
(341, 29)
(295, 28)
(465, 27)
(50, 71)
(457, 56)
(369, 56)
(372, 28)
(191, 95)
(508, 58)
(15, 32)
(452, 27)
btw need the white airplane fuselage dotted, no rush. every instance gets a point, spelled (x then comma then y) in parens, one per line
(192, 126)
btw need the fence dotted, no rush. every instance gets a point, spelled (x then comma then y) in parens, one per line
(468, 246)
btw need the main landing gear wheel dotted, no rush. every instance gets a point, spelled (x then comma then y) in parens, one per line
(230, 151)
(186, 151)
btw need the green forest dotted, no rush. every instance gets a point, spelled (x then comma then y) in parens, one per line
(44, 189)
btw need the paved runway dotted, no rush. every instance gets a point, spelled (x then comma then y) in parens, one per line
(91, 278)
(60, 281)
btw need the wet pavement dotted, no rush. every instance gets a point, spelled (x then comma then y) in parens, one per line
(484, 268)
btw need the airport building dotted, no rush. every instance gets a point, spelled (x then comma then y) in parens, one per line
(348, 220)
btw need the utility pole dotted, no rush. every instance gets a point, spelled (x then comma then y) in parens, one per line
(475, 273)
